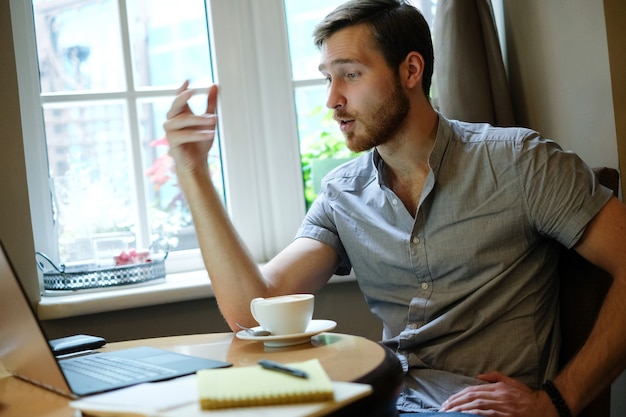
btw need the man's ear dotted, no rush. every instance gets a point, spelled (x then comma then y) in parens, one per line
(412, 70)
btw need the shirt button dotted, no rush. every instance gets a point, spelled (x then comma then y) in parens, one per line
(394, 201)
(416, 240)
(424, 285)
(413, 326)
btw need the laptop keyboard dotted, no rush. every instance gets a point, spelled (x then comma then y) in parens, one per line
(114, 369)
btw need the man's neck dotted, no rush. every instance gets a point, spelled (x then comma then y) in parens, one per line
(409, 151)
(407, 155)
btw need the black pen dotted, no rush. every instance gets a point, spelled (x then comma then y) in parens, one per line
(275, 366)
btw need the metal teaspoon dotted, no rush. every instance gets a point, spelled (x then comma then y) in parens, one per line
(254, 332)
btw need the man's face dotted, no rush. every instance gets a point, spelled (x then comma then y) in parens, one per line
(366, 95)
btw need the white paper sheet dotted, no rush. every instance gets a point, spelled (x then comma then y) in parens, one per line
(179, 398)
(150, 399)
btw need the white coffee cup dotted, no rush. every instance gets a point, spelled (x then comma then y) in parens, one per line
(284, 314)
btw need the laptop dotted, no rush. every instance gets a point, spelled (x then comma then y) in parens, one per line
(26, 353)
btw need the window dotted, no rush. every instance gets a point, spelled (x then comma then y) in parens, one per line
(108, 69)
(95, 86)
(104, 99)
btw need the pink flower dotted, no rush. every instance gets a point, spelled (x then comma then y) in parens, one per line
(160, 171)
(132, 257)
(160, 142)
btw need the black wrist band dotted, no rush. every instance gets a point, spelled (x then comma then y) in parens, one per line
(557, 399)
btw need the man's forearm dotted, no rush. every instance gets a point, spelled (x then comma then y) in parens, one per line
(602, 358)
(236, 279)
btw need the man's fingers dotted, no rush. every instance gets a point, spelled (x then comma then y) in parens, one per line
(183, 94)
(495, 376)
(211, 105)
(183, 126)
(190, 120)
(192, 136)
(183, 87)
(179, 105)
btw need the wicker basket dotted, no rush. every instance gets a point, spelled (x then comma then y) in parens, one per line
(89, 277)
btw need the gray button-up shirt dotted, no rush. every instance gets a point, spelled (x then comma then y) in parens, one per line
(467, 285)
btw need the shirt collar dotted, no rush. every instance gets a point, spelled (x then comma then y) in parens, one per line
(444, 134)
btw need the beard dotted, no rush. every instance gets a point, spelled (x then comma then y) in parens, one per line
(380, 122)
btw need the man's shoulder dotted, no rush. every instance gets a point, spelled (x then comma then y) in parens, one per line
(471, 132)
(502, 145)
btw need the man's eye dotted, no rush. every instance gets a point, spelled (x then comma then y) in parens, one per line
(351, 75)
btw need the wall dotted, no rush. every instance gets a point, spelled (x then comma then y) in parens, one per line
(615, 14)
(15, 221)
(560, 76)
(567, 68)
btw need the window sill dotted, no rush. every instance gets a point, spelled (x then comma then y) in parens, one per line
(176, 287)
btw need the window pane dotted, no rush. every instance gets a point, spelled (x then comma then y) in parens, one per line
(169, 43)
(78, 46)
(91, 175)
(319, 134)
(302, 17)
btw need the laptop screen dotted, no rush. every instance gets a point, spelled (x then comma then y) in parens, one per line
(24, 349)
(25, 352)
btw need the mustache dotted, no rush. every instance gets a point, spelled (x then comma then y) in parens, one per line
(341, 114)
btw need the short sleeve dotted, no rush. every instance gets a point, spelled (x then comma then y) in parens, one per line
(561, 192)
(318, 224)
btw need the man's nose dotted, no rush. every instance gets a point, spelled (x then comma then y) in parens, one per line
(336, 98)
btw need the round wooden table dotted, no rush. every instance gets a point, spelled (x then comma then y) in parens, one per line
(344, 357)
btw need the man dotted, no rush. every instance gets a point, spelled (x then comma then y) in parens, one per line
(450, 227)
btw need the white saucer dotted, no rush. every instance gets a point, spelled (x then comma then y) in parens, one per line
(314, 327)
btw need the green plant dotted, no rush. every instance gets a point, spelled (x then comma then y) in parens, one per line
(325, 143)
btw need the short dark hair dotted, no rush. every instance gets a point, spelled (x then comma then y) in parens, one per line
(397, 27)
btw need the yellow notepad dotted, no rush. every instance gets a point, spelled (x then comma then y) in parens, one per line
(253, 385)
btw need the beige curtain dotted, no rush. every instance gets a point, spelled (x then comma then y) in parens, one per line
(470, 79)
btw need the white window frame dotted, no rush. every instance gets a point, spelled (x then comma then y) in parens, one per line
(257, 122)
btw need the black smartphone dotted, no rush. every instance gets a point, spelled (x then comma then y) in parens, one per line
(75, 343)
